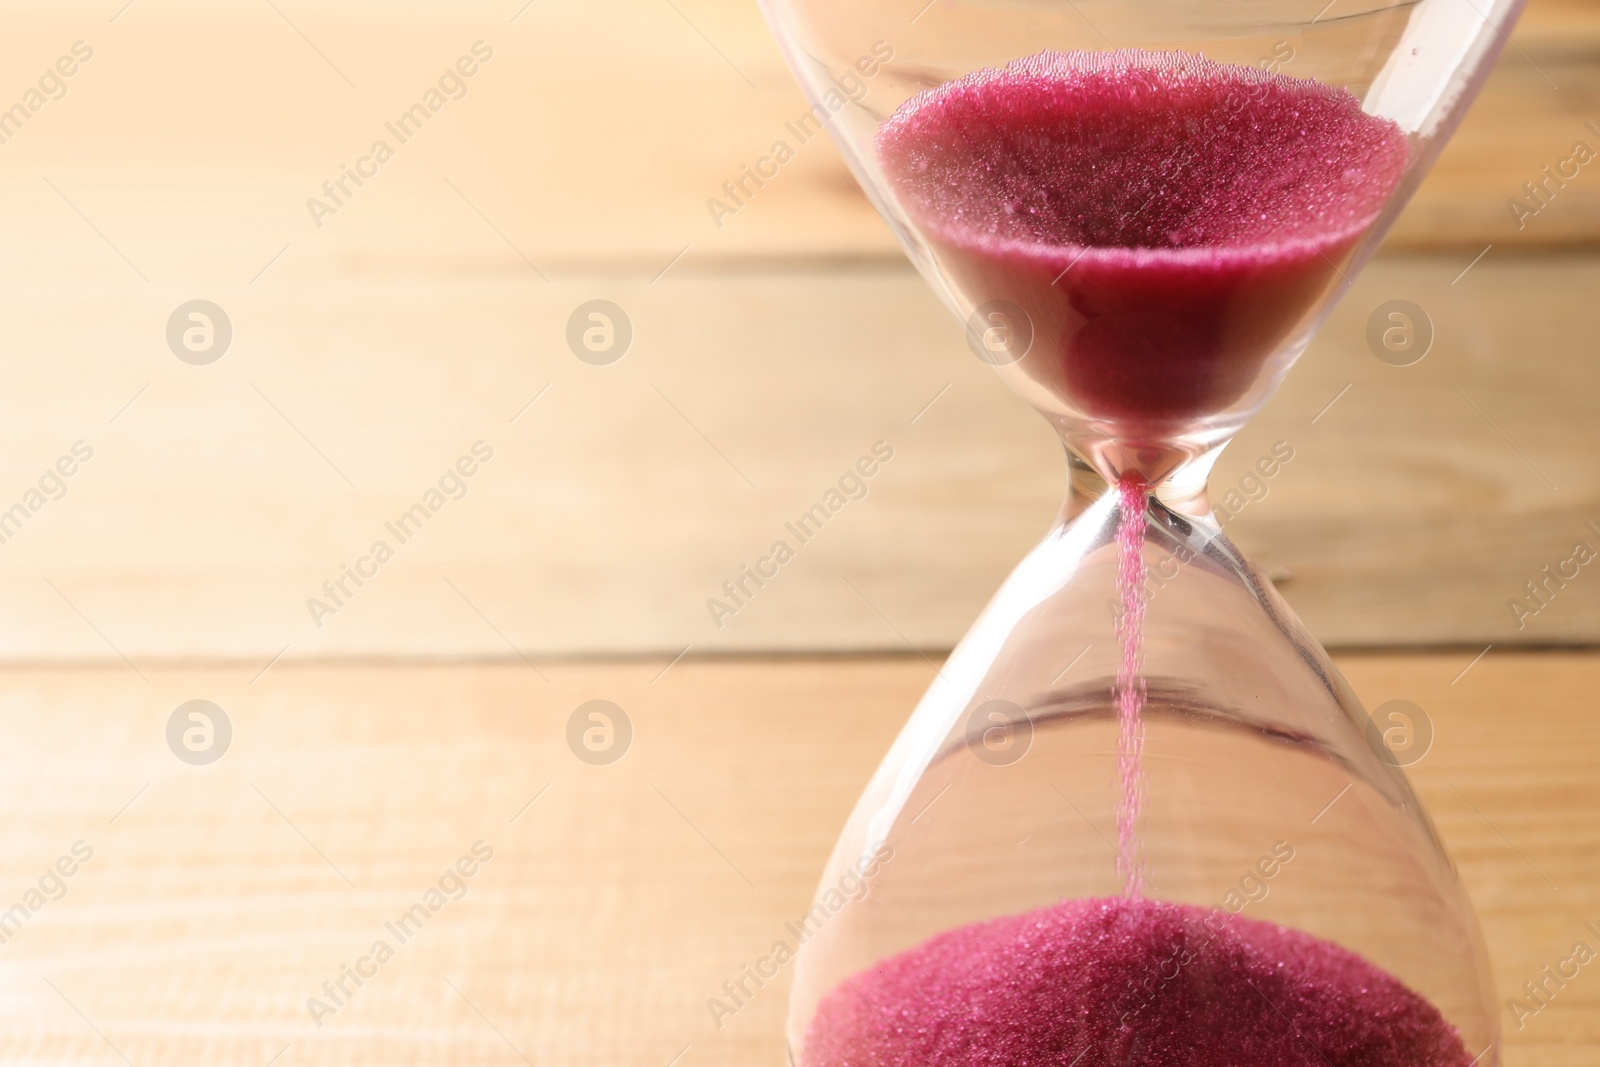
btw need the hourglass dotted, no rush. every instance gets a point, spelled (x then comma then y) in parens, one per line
(1138, 817)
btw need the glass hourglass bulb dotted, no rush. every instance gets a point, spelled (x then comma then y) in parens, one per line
(1137, 818)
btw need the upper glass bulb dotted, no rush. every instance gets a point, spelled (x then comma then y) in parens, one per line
(1141, 209)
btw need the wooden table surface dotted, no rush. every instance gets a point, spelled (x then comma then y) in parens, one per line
(371, 753)
(618, 898)
(369, 352)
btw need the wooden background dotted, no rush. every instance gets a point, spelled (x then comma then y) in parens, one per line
(432, 307)
(430, 313)
(220, 898)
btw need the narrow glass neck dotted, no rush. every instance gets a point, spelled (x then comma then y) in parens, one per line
(1183, 490)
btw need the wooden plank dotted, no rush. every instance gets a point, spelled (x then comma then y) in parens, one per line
(219, 898)
(217, 503)
(595, 136)
(1431, 494)
(1537, 106)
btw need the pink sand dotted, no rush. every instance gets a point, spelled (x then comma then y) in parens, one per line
(1130, 679)
(1121, 981)
(1198, 211)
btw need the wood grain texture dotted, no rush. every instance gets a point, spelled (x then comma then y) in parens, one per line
(220, 501)
(219, 898)
(194, 139)
(1538, 103)
(370, 353)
